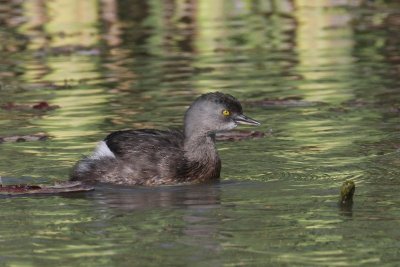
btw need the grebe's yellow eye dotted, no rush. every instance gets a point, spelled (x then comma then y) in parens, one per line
(226, 112)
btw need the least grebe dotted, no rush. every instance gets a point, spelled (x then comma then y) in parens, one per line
(156, 157)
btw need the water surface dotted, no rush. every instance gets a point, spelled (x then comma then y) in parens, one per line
(113, 65)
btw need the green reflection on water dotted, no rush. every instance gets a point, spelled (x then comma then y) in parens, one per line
(111, 65)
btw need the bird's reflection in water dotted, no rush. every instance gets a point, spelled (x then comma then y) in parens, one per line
(143, 198)
(187, 212)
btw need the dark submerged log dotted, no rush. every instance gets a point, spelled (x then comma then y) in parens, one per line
(58, 188)
(239, 135)
(287, 102)
(41, 106)
(24, 138)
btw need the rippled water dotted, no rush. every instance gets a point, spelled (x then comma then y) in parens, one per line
(321, 76)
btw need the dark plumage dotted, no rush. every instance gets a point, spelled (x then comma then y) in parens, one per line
(155, 157)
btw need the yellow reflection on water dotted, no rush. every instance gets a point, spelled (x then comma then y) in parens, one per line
(74, 21)
(209, 14)
(68, 23)
(325, 42)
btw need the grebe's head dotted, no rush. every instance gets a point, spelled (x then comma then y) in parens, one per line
(215, 112)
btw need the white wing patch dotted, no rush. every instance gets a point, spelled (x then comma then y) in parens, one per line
(102, 151)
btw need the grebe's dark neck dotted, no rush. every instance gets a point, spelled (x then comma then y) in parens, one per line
(199, 141)
(203, 162)
(200, 147)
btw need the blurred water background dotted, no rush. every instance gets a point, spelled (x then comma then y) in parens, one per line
(321, 75)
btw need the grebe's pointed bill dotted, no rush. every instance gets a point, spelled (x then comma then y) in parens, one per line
(243, 119)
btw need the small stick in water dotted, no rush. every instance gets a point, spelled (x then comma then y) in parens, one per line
(347, 192)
